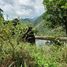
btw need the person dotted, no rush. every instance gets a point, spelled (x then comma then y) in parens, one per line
(29, 35)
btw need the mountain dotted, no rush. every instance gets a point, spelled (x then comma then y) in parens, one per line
(38, 20)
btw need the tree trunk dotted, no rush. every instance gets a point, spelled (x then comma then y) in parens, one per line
(65, 23)
(51, 38)
(66, 27)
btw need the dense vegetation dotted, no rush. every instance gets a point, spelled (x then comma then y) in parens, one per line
(56, 12)
(14, 52)
(32, 56)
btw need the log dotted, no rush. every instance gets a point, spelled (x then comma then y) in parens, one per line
(51, 38)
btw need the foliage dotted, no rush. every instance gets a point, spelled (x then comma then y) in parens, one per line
(16, 53)
(56, 12)
(44, 29)
(47, 56)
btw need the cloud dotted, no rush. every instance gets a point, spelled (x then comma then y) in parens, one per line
(8, 2)
(22, 8)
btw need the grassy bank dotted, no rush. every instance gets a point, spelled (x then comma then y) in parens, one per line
(27, 55)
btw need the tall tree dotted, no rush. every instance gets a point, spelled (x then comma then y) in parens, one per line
(56, 12)
(1, 17)
(1, 12)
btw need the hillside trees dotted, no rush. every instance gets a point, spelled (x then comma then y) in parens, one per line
(56, 12)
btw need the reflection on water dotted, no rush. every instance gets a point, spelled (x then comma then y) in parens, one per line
(42, 42)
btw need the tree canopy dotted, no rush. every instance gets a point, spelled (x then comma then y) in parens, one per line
(56, 12)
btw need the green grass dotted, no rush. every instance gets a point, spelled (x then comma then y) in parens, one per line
(27, 54)
(47, 56)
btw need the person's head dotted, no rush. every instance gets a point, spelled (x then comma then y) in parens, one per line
(30, 28)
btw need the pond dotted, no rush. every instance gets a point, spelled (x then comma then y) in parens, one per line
(40, 42)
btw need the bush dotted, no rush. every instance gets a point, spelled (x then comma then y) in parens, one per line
(28, 55)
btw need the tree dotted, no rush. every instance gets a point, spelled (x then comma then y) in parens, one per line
(56, 12)
(15, 21)
(1, 16)
(1, 11)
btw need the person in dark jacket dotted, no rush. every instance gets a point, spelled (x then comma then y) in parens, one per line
(29, 35)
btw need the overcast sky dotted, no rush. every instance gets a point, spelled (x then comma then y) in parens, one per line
(22, 8)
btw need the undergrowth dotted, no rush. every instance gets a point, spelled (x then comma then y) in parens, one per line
(24, 54)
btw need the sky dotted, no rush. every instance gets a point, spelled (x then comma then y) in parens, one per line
(22, 8)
